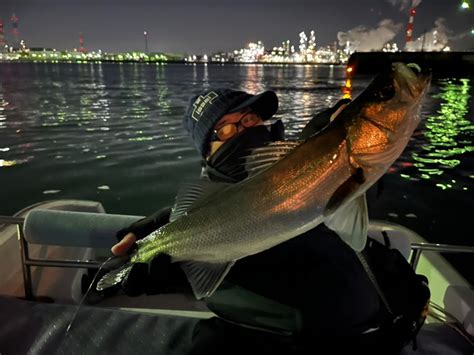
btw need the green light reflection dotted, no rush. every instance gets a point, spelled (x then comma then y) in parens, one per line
(448, 133)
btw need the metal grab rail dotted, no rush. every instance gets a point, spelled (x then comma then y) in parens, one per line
(418, 248)
(26, 269)
(63, 263)
(11, 220)
(27, 262)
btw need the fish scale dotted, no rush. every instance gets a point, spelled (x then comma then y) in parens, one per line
(270, 207)
(323, 179)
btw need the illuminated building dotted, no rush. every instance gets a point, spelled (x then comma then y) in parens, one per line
(303, 46)
(390, 47)
(311, 50)
(253, 53)
(23, 48)
(222, 57)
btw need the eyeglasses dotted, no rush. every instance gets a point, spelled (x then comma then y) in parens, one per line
(228, 130)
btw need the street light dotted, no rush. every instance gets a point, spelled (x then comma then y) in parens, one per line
(145, 34)
(465, 4)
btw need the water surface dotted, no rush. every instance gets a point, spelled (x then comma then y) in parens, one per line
(113, 133)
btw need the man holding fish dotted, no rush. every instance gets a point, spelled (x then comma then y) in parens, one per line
(264, 223)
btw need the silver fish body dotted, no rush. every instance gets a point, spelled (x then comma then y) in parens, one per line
(305, 188)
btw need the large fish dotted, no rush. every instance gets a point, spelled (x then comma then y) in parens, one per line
(320, 180)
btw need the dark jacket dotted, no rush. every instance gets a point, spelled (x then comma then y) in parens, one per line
(310, 287)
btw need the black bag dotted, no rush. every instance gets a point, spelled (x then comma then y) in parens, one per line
(404, 293)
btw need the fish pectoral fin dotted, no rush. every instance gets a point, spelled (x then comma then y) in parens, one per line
(351, 222)
(339, 196)
(262, 158)
(192, 194)
(205, 277)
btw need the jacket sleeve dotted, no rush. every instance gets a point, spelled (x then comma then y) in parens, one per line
(146, 225)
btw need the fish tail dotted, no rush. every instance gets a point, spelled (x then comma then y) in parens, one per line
(114, 277)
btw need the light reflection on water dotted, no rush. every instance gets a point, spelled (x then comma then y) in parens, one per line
(448, 133)
(3, 104)
(121, 124)
(113, 133)
(446, 140)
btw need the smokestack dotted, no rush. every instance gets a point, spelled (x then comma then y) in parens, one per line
(81, 43)
(15, 31)
(411, 20)
(2, 35)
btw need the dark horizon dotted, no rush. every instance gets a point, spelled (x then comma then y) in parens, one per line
(209, 26)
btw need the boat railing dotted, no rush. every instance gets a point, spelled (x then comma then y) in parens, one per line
(418, 248)
(27, 262)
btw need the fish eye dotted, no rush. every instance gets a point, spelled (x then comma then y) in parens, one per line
(386, 92)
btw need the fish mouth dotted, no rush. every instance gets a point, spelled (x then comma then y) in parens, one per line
(411, 78)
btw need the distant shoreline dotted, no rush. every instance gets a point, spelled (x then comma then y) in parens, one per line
(167, 62)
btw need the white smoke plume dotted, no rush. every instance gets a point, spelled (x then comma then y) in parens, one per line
(434, 40)
(362, 39)
(405, 4)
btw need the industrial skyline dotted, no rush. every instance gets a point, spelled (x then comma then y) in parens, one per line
(215, 26)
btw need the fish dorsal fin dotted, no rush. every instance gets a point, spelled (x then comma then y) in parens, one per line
(351, 222)
(317, 124)
(205, 277)
(192, 194)
(321, 120)
(262, 158)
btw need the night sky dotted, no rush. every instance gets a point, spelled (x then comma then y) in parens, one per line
(207, 26)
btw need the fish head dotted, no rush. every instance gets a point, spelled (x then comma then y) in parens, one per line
(381, 120)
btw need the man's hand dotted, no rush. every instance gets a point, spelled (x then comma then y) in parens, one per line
(141, 276)
(119, 249)
(122, 247)
(161, 276)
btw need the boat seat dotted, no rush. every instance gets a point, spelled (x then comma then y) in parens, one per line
(69, 239)
(74, 229)
(97, 233)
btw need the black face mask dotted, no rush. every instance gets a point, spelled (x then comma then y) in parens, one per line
(228, 163)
